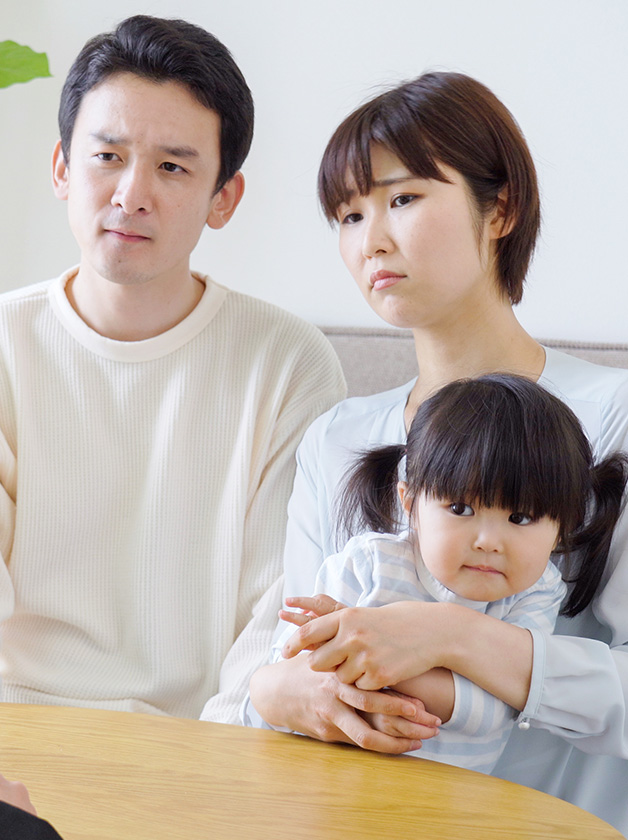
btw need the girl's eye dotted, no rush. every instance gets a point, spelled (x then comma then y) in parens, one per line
(520, 518)
(402, 200)
(461, 509)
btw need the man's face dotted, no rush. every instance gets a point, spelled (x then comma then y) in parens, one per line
(144, 160)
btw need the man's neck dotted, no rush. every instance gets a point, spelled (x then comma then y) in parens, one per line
(132, 312)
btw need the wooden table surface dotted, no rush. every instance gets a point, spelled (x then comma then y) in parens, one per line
(100, 775)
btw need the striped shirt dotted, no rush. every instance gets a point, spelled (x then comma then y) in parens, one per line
(378, 569)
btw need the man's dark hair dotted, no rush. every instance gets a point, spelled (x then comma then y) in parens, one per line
(167, 51)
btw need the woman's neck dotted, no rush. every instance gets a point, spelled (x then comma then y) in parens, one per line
(483, 345)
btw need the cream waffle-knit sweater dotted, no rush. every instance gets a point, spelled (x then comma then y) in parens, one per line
(143, 492)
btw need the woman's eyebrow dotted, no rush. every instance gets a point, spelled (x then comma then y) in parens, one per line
(387, 182)
(384, 182)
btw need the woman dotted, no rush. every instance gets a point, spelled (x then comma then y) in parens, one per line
(436, 198)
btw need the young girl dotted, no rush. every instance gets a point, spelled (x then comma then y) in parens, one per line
(499, 475)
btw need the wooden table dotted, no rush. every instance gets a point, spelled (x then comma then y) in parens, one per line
(100, 775)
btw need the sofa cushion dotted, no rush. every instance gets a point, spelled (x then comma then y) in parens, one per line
(376, 359)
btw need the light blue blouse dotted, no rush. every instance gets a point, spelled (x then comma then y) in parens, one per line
(577, 745)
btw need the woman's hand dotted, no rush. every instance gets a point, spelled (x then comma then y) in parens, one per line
(290, 694)
(372, 647)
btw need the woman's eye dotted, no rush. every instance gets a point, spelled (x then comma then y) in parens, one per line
(520, 518)
(461, 509)
(351, 218)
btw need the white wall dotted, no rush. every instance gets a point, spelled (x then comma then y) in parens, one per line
(561, 66)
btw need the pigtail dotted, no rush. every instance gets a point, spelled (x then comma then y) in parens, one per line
(368, 499)
(591, 544)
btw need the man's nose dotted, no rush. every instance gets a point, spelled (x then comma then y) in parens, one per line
(134, 191)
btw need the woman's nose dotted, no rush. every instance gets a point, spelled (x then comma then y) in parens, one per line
(376, 239)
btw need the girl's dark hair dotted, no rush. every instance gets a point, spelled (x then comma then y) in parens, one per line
(163, 50)
(499, 441)
(445, 118)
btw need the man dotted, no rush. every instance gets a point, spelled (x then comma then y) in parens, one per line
(148, 416)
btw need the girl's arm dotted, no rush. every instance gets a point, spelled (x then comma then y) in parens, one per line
(435, 688)
(375, 648)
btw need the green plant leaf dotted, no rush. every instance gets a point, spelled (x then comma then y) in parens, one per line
(20, 64)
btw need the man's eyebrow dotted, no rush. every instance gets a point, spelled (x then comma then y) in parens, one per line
(172, 151)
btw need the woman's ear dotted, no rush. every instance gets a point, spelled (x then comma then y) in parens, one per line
(224, 203)
(500, 225)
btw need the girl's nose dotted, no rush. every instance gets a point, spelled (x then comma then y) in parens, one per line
(488, 539)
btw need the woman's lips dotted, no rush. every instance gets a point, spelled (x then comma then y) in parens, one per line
(383, 279)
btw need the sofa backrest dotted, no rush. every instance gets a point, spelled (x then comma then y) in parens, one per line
(378, 359)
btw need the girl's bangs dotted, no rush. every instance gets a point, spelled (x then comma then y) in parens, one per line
(501, 441)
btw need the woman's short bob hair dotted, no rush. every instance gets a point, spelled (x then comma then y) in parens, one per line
(447, 118)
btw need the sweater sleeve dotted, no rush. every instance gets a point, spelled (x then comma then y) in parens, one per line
(8, 492)
(315, 383)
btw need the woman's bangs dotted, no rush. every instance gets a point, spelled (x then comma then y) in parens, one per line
(346, 165)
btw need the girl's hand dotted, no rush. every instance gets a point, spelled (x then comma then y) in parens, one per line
(404, 727)
(373, 647)
(311, 608)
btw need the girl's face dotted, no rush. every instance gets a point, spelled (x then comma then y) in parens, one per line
(481, 553)
(417, 248)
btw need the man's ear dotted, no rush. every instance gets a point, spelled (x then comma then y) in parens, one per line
(225, 201)
(60, 173)
(404, 497)
(500, 226)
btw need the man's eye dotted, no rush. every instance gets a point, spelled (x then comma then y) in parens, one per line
(172, 167)
(461, 509)
(520, 518)
(106, 156)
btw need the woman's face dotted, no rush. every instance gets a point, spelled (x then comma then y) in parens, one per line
(417, 248)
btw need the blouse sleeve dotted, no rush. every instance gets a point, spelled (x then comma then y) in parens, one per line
(579, 684)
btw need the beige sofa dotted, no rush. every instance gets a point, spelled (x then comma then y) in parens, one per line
(378, 359)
